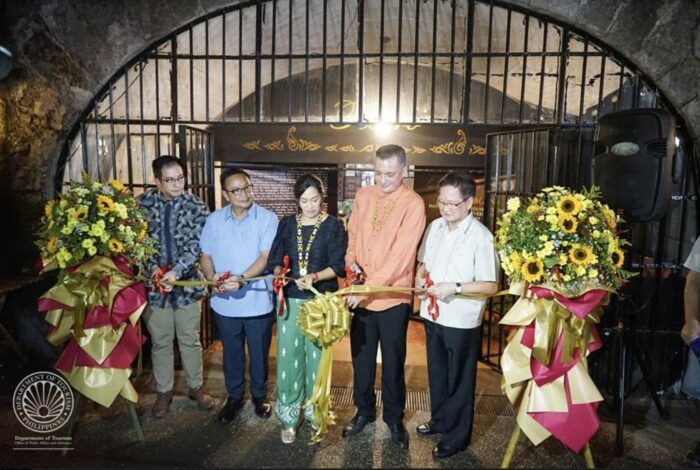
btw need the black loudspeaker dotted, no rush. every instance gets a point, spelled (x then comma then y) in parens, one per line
(633, 168)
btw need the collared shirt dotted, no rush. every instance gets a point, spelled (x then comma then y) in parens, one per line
(693, 260)
(177, 224)
(383, 235)
(464, 254)
(234, 245)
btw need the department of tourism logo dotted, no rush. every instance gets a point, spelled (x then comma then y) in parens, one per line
(43, 402)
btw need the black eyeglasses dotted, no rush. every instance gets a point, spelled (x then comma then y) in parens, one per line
(179, 179)
(248, 188)
(449, 205)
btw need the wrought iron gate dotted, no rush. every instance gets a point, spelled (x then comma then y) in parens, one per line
(518, 163)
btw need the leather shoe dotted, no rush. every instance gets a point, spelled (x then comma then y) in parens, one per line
(426, 429)
(230, 409)
(442, 451)
(357, 424)
(399, 436)
(263, 409)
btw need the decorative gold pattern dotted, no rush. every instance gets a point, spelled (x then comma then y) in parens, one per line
(477, 150)
(275, 145)
(453, 148)
(299, 145)
(252, 145)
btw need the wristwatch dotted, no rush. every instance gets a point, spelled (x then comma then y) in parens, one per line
(458, 289)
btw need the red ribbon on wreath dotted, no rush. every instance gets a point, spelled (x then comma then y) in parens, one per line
(433, 308)
(157, 277)
(222, 279)
(278, 285)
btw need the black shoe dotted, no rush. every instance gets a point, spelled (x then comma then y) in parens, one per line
(357, 424)
(399, 436)
(263, 409)
(442, 451)
(230, 409)
(426, 429)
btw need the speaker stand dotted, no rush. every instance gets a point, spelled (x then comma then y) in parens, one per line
(626, 343)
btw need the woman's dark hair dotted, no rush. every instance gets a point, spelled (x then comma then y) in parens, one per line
(465, 183)
(305, 182)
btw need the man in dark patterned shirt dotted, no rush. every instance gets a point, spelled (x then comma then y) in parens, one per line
(175, 219)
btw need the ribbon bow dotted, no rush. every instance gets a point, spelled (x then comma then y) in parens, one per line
(433, 308)
(157, 277)
(222, 279)
(352, 277)
(278, 285)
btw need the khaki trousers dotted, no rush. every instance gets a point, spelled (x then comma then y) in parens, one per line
(165, 325)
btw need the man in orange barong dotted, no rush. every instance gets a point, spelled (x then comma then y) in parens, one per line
(456, 257)
(385, 227)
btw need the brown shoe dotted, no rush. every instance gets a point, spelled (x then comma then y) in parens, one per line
(204, 400)
(163, 399)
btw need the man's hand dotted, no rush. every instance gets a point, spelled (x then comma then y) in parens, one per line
(442, 290)
(420, 284)
(690, 331)
(353, 301)
(165, 280)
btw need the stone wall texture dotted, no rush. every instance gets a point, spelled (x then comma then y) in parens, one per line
(65, 50)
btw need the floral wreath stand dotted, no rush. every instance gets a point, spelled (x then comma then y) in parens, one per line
(95, 308)
(545, 371)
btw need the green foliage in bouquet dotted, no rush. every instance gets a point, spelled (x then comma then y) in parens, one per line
(93, 218)
(563, 239)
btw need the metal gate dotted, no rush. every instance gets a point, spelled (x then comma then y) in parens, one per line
(196, 150)
(517, 164)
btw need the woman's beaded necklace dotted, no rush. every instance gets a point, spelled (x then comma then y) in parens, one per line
(303, 252)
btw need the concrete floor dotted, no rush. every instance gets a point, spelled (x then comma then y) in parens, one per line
(188, 438)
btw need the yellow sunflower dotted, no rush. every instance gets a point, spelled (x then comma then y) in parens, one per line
(568, 205)
(115, 246)
(609, 215)
(567, 223)
(52, 245)
(81, 213)
(580, 254)
(532, 269)
(117, 185)
(617, 258)
(142, 233)
(48, 208)
(104, 203)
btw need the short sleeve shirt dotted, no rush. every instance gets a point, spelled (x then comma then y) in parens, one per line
(693, 260)
(465, 253)
(233, 246)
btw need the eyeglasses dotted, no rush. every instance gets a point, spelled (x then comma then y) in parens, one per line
(179, 179)
(449, 205)
(248, 188)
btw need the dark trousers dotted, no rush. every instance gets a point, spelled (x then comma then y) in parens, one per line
(452, 358)
(368, 330)
(234, 332)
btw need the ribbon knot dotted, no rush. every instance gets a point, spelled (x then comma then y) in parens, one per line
(278, 285)
(352, 277)
(157, 277)
(433, 308)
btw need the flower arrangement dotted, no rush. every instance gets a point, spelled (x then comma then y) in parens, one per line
(562, 239)
(93, 218)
